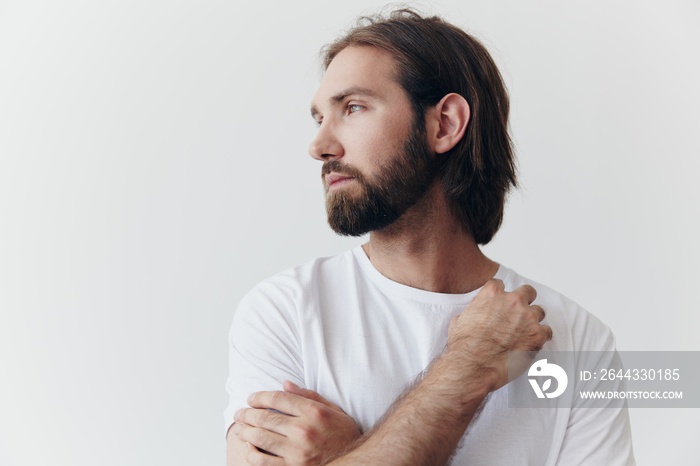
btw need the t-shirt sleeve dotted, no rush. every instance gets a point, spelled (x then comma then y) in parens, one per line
(601, 434)
(263, 346)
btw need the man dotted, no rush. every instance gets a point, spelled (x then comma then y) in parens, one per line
(389, 353)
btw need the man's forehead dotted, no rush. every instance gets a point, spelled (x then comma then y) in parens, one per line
(362, 69)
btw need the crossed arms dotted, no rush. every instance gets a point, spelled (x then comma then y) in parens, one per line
(425, 424)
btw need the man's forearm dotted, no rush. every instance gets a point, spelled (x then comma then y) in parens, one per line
(424, 426)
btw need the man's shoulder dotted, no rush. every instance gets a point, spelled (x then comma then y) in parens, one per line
(294, 282)
(545, 294)
(577, 327)
(311, 271)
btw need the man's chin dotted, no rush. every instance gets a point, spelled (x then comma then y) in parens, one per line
(343, 231)
(356, 222)
(347, 222)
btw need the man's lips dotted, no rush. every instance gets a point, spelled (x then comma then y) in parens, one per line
(336, 179)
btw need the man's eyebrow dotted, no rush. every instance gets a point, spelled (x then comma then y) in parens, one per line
(340, 96)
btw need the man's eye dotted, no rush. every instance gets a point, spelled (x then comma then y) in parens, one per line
(352, 108)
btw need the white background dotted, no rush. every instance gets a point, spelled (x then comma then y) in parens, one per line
(153, 168)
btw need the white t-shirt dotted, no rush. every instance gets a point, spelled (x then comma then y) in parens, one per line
(339, 327)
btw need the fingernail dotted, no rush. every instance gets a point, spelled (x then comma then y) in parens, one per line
(237, 414)
(251, 398)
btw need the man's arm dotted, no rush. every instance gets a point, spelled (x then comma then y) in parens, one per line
(431, 399)
(425, 425)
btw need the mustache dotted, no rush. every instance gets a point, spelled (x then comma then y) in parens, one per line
(337, 167)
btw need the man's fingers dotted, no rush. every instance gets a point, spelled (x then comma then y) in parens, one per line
(281, 401)
(543, 335)
(269, 420)
(527, 291)
(548, 332)
(540, 312)
(294, 389)
(494, 284)
(255, 457)
(263, 439)
(294, 401)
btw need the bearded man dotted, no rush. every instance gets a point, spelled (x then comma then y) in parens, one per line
(395, 351)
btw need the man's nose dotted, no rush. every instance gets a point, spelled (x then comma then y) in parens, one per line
(325, 145)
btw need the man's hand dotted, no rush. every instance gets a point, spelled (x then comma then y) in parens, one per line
(493, 324)
(306, 430)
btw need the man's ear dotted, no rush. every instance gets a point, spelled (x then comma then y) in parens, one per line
(446, 122)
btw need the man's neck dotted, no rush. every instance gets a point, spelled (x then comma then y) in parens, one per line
(427, 249)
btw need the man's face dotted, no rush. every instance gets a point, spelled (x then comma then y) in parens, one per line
(377, 163)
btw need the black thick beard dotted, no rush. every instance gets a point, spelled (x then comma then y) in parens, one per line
(400, 184)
